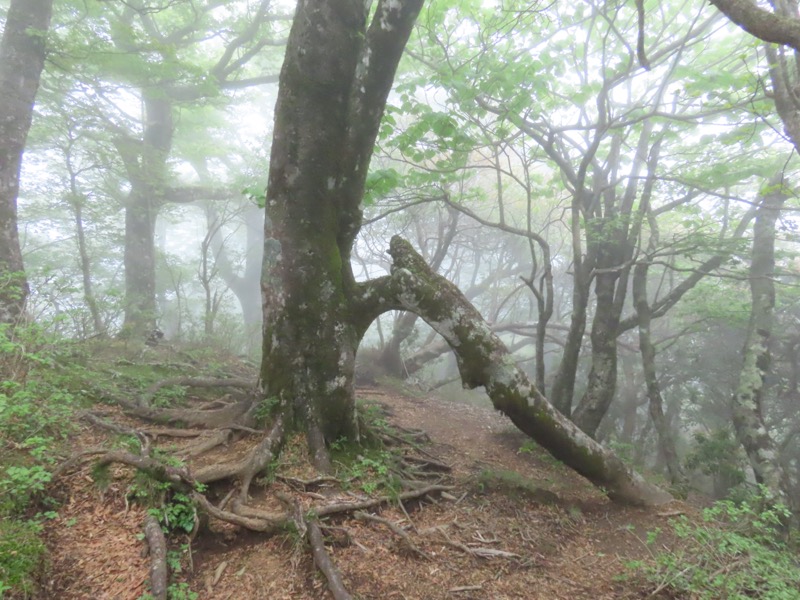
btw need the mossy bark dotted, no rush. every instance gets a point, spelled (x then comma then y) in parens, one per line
(483, 360)
(748, 417)
(334, 83)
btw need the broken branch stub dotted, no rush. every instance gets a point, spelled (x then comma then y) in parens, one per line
(483, 360)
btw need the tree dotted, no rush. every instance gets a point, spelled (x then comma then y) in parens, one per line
(748, 404)
(153, 54)
(22, 53)
(336, 76)
(781, 26)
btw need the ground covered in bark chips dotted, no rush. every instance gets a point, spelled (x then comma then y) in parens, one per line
(504, 521)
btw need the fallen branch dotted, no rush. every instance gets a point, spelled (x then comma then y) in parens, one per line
(158, 558)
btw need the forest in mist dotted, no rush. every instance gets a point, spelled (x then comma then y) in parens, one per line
(612, 185)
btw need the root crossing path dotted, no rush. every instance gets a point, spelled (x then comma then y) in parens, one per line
(490, 516)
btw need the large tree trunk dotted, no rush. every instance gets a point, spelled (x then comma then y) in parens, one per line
(748, 417)
(333, 88)
(140, 263)
(22, 54)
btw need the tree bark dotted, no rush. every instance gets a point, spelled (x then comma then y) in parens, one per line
(22, 53)
(666, 443)
(334, 83)
(761, 23)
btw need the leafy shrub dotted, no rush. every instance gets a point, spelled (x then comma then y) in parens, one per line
(717, 455)
(737, 552)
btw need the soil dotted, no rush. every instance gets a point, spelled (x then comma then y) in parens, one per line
(517, 524)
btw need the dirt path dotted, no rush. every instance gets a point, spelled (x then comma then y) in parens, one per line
(516, 525)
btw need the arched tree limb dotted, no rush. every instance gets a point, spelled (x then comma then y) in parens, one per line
(483, 360)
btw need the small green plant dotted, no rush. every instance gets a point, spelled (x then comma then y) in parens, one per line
(737, 552)
(168, 396)
(717, 455)
(21, 555)
(264, 410)
(19, 485)
(181, 591)
(178, 513)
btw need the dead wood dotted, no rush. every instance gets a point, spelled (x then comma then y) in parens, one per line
(158, 558)
(324, 563)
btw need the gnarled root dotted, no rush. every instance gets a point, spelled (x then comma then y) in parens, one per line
(324, 563)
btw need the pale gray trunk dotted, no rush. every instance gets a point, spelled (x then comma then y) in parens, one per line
(748, 410)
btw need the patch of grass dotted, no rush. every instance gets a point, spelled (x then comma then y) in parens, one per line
(514, 485)
(738, 551)
(22, 555)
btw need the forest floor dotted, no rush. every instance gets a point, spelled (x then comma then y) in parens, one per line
(516, 524)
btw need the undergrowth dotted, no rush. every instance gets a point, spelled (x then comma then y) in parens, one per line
(739, 550)
(36, 408)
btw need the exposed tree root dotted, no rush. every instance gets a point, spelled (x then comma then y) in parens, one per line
(324, 562)
(347, 507)
(233, 413)
(247, 468)
(394, 528)
(149, 393)
(218, 438)
(413, 466)
(158, 558)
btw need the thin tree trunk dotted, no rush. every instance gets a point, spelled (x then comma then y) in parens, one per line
(602, 383)
(86, 267)
(22, 53)
(666, 443)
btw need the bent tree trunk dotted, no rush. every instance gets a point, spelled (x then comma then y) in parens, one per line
(334, 83)
(483, 360)
(21, 62)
